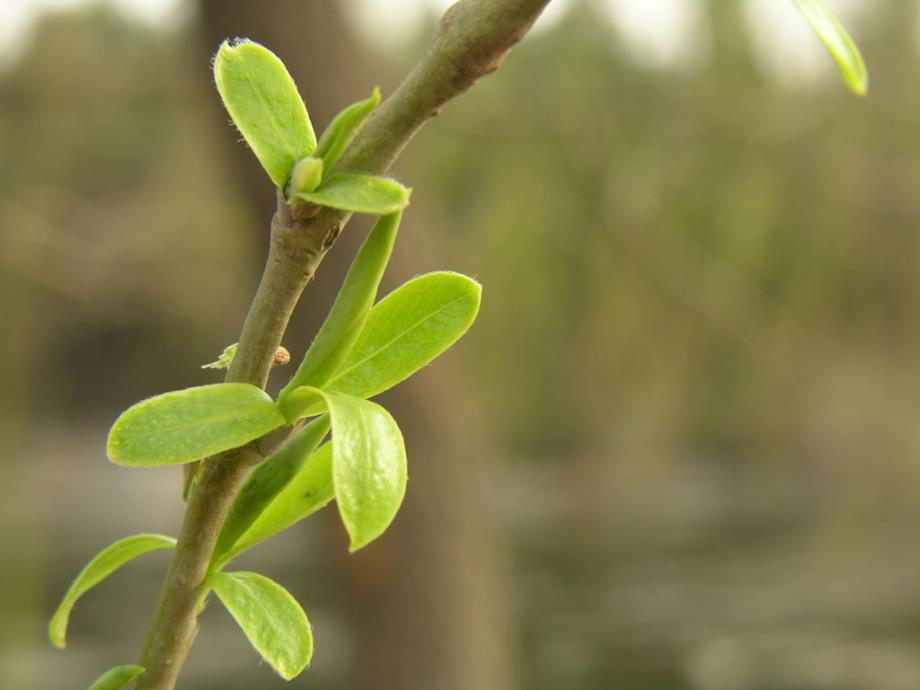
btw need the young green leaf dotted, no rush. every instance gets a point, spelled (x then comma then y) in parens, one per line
(270, 617)
(368, 465)
(194, 423)
(263, 103)
(307, 175)
(343, 128)
(224, 359)
(103, 565)
(267, 481)
(309, 490)
(358, 193)
(406, 330)
(838, 43)
(350, 309)
(116, 678)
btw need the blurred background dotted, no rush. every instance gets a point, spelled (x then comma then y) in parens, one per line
(677, 452)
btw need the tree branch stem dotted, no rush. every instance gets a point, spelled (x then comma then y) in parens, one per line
(472, 39)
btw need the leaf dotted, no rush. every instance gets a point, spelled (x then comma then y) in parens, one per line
(117, 677)
(838, 42)
(267, 481)
(359, 193)
(309, 490)
(194, 423)
(104, 564)
(263, 103)
(368, 465)
(350, 309)
(270, 617)
(224, 359)
(307, 175)
(406, 330)
(343, 128)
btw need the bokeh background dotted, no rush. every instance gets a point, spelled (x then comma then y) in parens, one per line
(677, 452)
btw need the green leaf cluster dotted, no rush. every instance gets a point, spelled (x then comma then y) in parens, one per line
(364, 347)
(263, 102)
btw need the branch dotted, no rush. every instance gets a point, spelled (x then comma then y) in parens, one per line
(471, 41)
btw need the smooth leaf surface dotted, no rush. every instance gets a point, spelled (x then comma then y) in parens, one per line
(308, 491)
(267, 480)
(307, 175)
(368, 466)
(104, 564)
(406, 330)
(117, 677)
(352, 305)
(190, 424)
(264, 104)
(343, 128)
(270, 617)
(838, 43)
(359, 193)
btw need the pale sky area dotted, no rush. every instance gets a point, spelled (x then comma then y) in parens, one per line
(667, 34)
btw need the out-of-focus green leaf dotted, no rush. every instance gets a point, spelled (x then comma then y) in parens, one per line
(406, 330)
(350, 309)
(194, 423)
(224, 359)
(267, 481)
(270, 617)
(343, 128)
(358, 193)
(104, 564)
(117, 677)
(263, 103)
(308, 491)
(838, 42)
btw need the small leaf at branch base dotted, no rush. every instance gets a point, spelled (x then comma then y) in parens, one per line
(190, 424)
(263, 103)
(353, 303)
(343, 128)
(267, 481)
(309, 490)
(406, 330)
(224, 359)
(838, 43)
(104, 564)
(270, 617)
(117, 677)
(359, 193)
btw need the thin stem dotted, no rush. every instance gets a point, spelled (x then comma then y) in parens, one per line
(472, 39)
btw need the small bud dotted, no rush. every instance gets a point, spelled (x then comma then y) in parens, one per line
(307, 175)
(282, 357)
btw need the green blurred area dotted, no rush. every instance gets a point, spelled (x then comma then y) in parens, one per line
(693, 381)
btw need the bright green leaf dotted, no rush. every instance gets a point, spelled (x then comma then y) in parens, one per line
(224, 359)
(838, 42)
(343, 128)
(267, 481)
(350, 309)
(270, 617)
(359, 193)
(368, 465)
(116, 678)
(307, 175)
(194, 423)
(406, 330)
(103, 565)
(263, 103)
(309, 490)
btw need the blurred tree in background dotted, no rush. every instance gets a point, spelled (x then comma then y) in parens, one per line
(685, 416)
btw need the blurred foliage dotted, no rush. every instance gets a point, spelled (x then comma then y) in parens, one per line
(696, 354)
